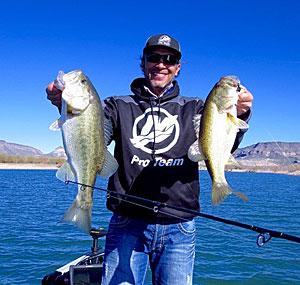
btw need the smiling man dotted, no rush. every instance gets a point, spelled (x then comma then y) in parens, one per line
(153, 130)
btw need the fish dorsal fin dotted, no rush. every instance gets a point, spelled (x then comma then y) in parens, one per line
(110, 165)
(108, 130)
(65, 173)
(195, 153)
(56, 126)
(242, 125)
(196, 124)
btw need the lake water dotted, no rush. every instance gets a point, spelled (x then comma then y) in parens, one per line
(33, 243)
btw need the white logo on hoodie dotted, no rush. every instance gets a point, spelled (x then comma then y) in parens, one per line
(163, 126)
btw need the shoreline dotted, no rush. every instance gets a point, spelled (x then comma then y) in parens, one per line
(44, 166)
(36, 166)
(41, 166)
(294, 173)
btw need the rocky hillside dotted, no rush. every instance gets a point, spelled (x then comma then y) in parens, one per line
(18, 149)
(270, 153)
(28, 151)
(275, 157)
(283, 157)
(59, 152)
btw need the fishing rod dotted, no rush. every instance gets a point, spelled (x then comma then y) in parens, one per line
(264, 236)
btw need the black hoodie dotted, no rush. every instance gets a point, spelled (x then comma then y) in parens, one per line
(152, 137)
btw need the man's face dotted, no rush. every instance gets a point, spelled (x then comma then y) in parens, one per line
(159, 75)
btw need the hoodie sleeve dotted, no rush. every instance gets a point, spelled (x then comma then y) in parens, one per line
(239, 137)
(199, 106)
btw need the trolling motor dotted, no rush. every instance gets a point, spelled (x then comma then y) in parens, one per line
(86, 269)
(97, 233)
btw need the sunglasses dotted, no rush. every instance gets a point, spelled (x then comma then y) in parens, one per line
(166, 58)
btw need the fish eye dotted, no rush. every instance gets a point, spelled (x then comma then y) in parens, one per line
(83, 81)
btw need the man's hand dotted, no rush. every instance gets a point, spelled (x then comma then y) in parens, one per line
(244, 102)
(54, 95)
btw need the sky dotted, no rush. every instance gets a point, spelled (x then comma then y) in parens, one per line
(258, 41)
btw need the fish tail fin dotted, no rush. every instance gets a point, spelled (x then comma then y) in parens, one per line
(78, 216)
(221, 191)
(241, 195)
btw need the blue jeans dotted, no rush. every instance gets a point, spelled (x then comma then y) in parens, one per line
(133, 244)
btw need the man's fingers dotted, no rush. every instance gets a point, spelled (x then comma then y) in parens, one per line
(244, 101)
(54, 96)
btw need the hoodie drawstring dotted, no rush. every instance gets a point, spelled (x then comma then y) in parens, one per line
(154, 135)
(154, 128)
(159, 98)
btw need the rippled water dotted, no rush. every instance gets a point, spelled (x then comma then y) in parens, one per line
(33, 243)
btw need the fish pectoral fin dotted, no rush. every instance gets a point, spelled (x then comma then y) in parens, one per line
(110, 165)
(195, 153)
(242, 125)
(232, 161)
(65, 173)
(56, 126)
(196, 124)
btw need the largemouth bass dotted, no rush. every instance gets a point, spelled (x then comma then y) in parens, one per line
(83, 133)
(216, 130)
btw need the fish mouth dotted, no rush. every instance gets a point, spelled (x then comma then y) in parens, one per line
(231, 81)
(72, 76)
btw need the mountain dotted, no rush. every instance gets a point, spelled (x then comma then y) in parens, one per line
(264, 156)
(18, 149)
(59, 152)
(269, 153)
(28, 151)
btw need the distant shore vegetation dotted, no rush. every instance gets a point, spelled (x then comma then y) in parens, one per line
(4, 158)
(293, 168)
(270, 168)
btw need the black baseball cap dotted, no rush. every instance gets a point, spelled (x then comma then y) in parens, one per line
(164, 41)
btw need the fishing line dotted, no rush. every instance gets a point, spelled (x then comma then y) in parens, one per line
(291, 163)
(264, 236)
(166, 213)
(222, 231)
(172, 215)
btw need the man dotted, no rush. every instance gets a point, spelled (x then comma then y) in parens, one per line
(153, 131)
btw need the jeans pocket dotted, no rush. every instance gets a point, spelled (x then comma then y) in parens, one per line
(187, 228)
(119, 221)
